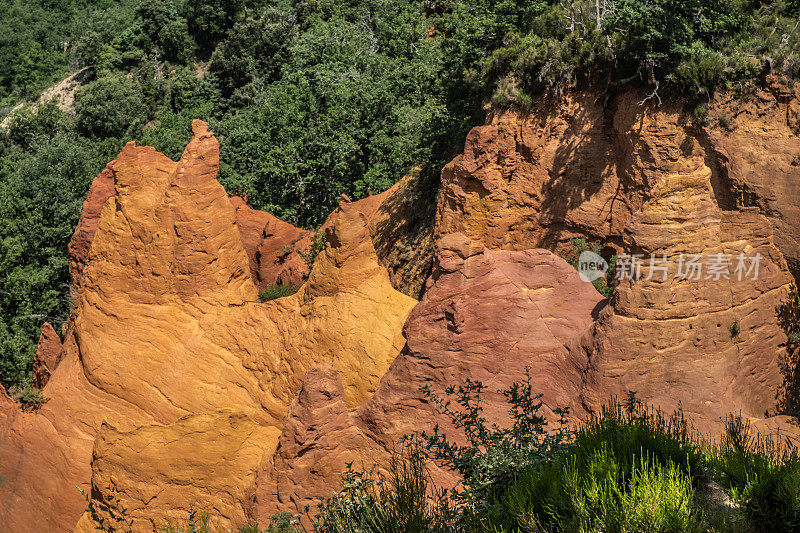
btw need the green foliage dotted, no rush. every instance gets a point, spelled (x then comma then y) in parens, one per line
(111, 106)
(38, 40)
(253, 52)
(162, 30)
(628, 469)
(395, 502)
(30, 397)
(763, 476)
(345, 116)
(211, 19)
(492, 456)
(27, 126)
(604, 285)
(692, 46)
(603, 495)
(41, 194)
(309, 255)
(277, 291)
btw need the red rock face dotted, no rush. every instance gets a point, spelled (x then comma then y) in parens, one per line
(487, 315)
(101, 190)
(48, 354)
(271, 246)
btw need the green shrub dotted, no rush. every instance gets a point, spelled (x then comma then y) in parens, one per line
(628, 469)
(604, 494)
(395, 502)
(763, 475)
(309, 255)
(30, 397)
(491, 456)
(277, 291)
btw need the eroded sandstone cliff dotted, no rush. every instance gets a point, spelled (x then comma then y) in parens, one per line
(169, 350)
(168, 323)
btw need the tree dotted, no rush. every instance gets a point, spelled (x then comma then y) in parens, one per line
(111, 106)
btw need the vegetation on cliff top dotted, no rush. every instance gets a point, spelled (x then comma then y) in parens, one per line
(312, 98)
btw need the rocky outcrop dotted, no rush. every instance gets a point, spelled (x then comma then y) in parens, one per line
(537, 180)
(645, 180)
(755, 149)
(167, 323)
(487, 315)
(48, 354)
(272, 246)
(199, 463)
(100, 191)
(709, 343)
(400, 222)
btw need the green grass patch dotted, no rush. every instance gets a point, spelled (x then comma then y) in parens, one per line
(277, 290)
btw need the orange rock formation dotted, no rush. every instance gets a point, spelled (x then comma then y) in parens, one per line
(169, 350)
(168, 324)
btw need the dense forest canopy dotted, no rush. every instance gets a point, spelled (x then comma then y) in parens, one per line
(314, 98)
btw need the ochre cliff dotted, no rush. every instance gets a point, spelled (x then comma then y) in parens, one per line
(169, 350)
(487, 315)
(639, 180)
(646, 179)
(168, 323)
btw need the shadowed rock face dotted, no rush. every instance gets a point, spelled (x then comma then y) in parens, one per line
(536, 180)
(167, 323)
(757, 158)
(486, 315)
